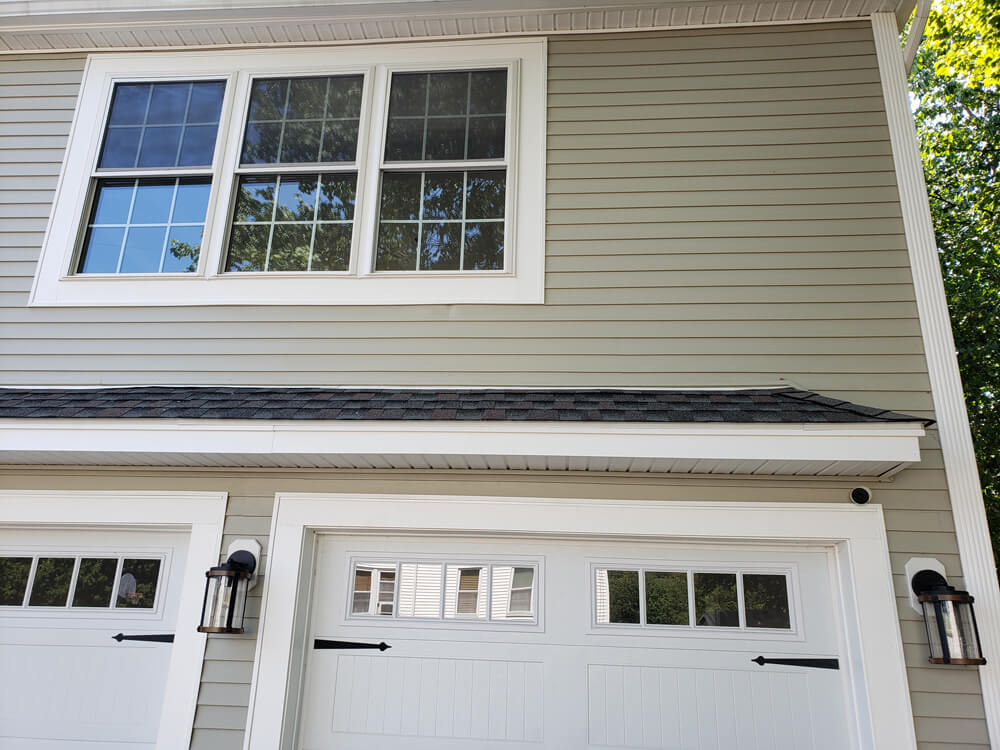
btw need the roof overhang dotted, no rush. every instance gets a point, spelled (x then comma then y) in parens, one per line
(821, 450)
(94, 25)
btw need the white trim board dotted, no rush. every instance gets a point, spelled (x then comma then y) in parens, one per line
(203, 513)
(975, 550)
(46, 27)
(831, 448)
(872, 649)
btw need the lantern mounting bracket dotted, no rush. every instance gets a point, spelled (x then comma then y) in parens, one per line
(246, 552)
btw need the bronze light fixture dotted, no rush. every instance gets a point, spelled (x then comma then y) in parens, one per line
(226, 589)
(952, 632)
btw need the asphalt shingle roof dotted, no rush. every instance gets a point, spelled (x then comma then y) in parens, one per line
(752, 405)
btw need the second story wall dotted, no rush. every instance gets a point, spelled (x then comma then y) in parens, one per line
(722, 211)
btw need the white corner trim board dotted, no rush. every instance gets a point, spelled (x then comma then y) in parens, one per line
(873, 665)
(976, 554)
(201, 512)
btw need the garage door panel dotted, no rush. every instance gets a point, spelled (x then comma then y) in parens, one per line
(66, 683)
(567, 681)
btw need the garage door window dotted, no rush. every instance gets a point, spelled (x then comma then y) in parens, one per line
(691, 599)
(79, 582)
(483, 592)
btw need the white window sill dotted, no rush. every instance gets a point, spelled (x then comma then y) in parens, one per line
(292, 289)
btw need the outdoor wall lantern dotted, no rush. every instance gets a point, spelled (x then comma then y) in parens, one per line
(226, 589)
(950, 619)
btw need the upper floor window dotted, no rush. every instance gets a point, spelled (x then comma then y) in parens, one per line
(369, 175)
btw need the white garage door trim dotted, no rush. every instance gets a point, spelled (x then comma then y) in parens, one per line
(203, 513)
(873, 653)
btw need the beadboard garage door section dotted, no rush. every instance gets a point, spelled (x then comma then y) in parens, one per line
(559, 678)
(66, 683)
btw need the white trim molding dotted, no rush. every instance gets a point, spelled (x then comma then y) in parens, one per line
(859, 449)
(871, 649)
(40, 26)
(202, 513)
(975, 550)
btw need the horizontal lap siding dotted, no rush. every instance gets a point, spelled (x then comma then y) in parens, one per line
(722, 211)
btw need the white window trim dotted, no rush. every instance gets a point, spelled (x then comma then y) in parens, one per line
(522, 281)
(872, 665)
(202, 514)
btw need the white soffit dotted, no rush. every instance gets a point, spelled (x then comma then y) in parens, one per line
(91, 25)
(862, 450)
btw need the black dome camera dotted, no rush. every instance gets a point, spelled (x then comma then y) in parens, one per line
(861, 495)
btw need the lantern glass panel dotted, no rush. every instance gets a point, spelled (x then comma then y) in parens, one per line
(933, 632)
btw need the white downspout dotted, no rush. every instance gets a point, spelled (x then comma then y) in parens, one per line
(916, 34)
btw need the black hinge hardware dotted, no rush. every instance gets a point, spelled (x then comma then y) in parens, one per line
(322, 643)
(158, 638)
(813, 663)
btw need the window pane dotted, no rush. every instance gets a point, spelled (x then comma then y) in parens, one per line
(666, 598)
(443, 195)
(137, 585)
(296, 199)
(484, 246)
(765, 598)
(51, 584)
(290, 247)
(292, 223)
(255, 199)
(95, 582)
(488, 92)
(152, 202)
(439, 228)
(447, 116)
(331, 248)
(486, 195)
(362, 592)
(303, 120)
(183, 248)
(143, 249)
(248, 248)
(465, 592)
(146, 226)
(14, 573)
(397, 247)
(420, 590)
(400, 196)
(715, 600)
(102, 248)
(162, 124)
(617, 596)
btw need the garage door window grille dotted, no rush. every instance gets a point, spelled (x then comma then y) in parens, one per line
(693, 599)
(77, 582)
(477, 592)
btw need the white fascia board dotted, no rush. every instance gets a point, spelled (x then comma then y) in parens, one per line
(791, 442)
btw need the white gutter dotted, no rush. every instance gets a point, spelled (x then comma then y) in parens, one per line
(916, 34)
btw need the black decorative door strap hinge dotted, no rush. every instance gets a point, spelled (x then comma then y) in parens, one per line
(813, 663)
(157, 637)
(324, 644)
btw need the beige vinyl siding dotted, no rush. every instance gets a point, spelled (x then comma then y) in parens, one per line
(722, 211)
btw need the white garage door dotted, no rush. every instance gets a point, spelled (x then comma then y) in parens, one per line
(63, 595)
(567, 645)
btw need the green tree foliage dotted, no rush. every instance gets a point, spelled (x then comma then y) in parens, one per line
(956, 89)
